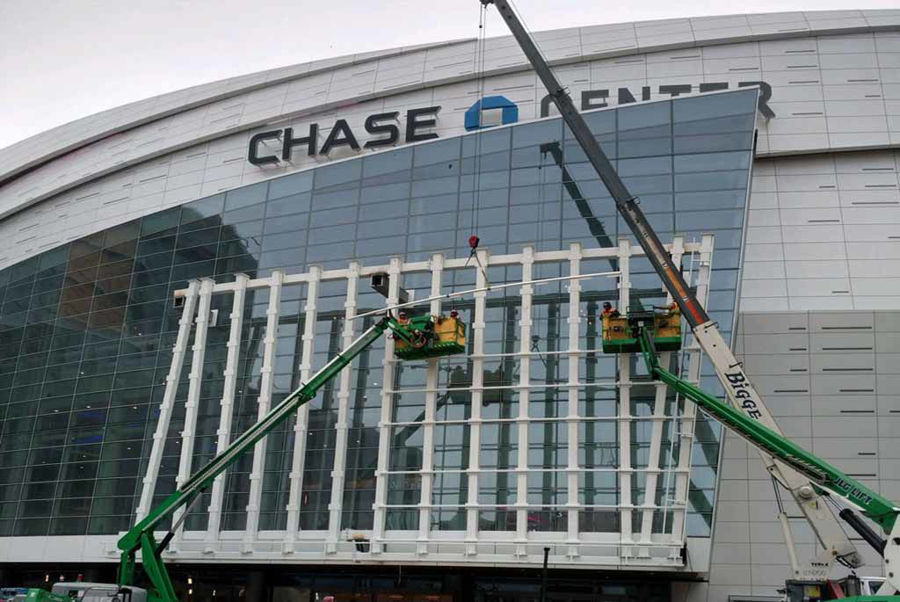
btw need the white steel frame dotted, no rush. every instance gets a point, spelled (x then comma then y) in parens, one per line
(641, 547)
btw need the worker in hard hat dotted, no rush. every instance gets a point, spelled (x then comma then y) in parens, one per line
(609, 310)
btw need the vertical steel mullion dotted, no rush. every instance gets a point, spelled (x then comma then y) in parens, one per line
(264, 402)
(168, 401)
(651, 482)
(523, 422)
(384, 427)
(301, 425)
(338, 472)
(686, 428)
(431, 384)
(624, 408)
(572, 419)
(478, 326)
(227, 404)
(652, 473)
(195, 380)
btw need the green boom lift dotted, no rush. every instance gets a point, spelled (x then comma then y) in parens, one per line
(880, 510)
(418, 338)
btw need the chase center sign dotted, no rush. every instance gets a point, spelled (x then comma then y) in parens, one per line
(384, 129)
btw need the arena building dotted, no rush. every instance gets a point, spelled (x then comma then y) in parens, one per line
(762, 148)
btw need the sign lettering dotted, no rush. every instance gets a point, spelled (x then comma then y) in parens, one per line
(738, 383)
(382, 126)
(597, 99)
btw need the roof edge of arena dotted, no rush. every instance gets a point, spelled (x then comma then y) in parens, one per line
(649, 36)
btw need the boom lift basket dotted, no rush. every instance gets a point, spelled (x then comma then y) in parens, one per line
(430, 336)
(620, 332)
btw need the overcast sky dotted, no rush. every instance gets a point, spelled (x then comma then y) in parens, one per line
(65, 59)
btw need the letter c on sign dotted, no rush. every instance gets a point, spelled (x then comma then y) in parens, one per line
(253, 154)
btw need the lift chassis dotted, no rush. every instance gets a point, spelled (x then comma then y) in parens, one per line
(805, 487)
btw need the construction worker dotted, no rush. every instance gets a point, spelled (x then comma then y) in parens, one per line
(609, 310)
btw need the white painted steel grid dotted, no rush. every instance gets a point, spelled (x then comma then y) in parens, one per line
(651, 500)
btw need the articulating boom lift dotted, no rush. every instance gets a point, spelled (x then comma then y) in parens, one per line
(873, 506)
(417, 338)
(806, 477)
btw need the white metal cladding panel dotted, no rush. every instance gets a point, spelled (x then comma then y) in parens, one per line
(823, 232)
(830, 379)
(812, 112)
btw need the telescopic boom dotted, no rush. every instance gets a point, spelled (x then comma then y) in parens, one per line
(873, 506)
(140, 537)
(877, 508)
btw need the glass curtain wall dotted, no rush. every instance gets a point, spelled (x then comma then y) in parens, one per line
(86, 329)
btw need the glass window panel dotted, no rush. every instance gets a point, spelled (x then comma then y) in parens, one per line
(33, 526)
(198, 211)
(295, 223)
(162, 221)
(339, 173)
(334, 198)
(387, 163)
(330, 217)
(51, 259)
(435, 186)
(290, 185)
(385, 192)
(333, 234)
(246, 195)
(245, 214)
(443, 151)
(295, 203)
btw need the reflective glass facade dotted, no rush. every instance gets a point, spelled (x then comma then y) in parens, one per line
(86, 329)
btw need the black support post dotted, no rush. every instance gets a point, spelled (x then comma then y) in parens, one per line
(544, 576)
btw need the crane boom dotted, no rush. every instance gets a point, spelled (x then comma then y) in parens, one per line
(730, 372)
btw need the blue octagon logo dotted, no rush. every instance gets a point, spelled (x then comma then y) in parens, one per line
(509, 112)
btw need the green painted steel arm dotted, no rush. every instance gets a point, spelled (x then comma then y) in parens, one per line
(874, 506)
(140, 537)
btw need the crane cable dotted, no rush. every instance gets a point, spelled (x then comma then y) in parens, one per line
(479, 60)
(480, 47)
